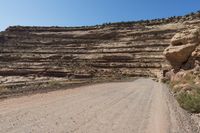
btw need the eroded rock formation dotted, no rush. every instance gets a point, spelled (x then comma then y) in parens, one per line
(40, 55)
(183, 53)
(182, 46)
(184, 77)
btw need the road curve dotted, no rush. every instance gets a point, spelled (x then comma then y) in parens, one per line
(141, 106)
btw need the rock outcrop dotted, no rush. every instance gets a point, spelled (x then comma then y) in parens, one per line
(40, 56)
(182, 46)
(184, 77)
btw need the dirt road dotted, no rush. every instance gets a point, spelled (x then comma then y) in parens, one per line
(141, 106)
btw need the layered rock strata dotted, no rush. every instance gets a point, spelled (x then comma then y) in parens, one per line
(184, 76)
(32, 55)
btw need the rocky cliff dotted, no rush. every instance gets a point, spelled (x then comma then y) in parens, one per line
(184, 74)
(48, 55)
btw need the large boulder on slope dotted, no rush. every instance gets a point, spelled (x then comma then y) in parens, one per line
(182, 46)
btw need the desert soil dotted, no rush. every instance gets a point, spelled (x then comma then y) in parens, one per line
(141, 106)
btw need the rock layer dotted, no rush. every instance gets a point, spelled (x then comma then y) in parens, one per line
(184, 77)
(31, 55)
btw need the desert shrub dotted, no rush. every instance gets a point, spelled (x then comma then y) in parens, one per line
(3, 89)
(190, 102)
(188, 79)
(54, 83)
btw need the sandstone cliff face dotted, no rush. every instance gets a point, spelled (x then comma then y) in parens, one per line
(181, 48)
(184, 77)
(30, 55)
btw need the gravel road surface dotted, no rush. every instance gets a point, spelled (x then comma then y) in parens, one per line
(141, 106)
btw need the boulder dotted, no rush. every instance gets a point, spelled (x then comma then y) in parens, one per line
(179, 54)
(182, 46)
(186, 37)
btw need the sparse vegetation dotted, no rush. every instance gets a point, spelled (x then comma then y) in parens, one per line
(54, 83)
(3, 89)
(188, 99)
(190, 102)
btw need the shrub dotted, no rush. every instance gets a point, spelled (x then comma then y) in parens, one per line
(190, 102)
(3, 89)
(54, 83)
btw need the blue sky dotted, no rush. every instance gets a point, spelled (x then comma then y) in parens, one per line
(88, 12)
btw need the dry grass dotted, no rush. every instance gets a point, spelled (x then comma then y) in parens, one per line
(4, 89)
(189, 100)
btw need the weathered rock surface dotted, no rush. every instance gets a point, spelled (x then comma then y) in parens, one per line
(31, 55)
(182, 46)
(183, 54)
(184, 75)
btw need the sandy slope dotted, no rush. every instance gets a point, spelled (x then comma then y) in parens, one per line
(142, 106)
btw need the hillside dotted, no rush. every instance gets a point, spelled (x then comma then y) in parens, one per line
(34, 58)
